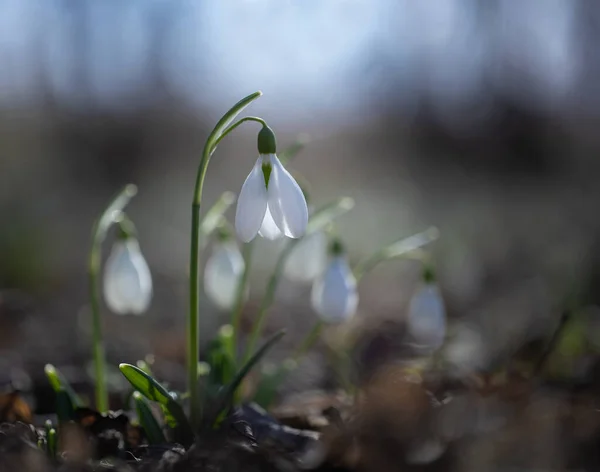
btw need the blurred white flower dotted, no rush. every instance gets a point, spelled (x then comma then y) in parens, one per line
(426, 321)
(271, 203)
(426, 452)
(222, 274)
(127, 279)
(308, 258)
(334, 294)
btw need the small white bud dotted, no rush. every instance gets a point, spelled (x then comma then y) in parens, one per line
(334, 294)
(222, 274)
(127, 279)
(308, 258)
(426, 321)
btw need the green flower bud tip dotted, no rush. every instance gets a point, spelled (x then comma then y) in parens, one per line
(267, 143)
(126, 229)
(226, 331)
(223, 233)
(428, 274)
(336, 248)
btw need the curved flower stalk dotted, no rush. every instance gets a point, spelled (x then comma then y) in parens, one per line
(223, 273)
(426, 320)
(101, 226)
(271, 202)
(308, 258)
(334, 295)
(223, 127)
(127, 279)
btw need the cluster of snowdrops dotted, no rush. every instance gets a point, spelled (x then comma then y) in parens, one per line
(272, 205)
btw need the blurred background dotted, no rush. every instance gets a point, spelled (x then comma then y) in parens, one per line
(478, 117)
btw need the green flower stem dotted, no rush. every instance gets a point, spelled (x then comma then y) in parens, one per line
(237, 123)
(267, 299)
(309, 341)
(406, 247)
(319, 220)
(236, 315)
(101, 227)
(221, 130)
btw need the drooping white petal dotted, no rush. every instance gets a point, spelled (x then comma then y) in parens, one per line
(308, 258)
(286, 201)
(222, 274)
(269, 229)
(334, 295)
(127, 279)
(252, 204)
(426, 320)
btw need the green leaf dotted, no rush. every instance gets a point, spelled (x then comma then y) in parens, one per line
(59, 383)
(400, 248)
(51, 440)
(227, 118)
(227, 393)
(145, 384)
(406, 245)
(219, 357)
(65, 410)
(143, 365)
(326, 214)
(147, 420)
(153, 390)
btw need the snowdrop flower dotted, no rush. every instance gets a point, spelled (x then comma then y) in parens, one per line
(334, 294)
(426, 321)
(127, 279)
(271, 202)
(308, 258)
(222, 274)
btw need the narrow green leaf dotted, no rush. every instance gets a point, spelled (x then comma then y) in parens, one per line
(220, 359)
(52, 442)
(143, 365)
(400, 248)
(153, 390)
(145, 384)
(227, 118)
(65, 410)
(59, 382)
(406, 245)
(227, 394)
(147, 420)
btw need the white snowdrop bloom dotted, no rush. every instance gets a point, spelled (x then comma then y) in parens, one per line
(271, 202)
(222, 274)
(426, 321)
(308, 258)
(272, 207)
(127, 279)
(334, 294)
